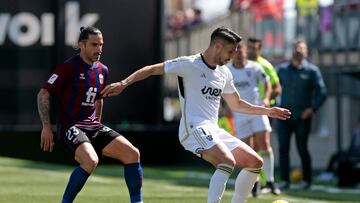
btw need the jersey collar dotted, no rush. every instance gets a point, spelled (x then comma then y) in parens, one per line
(211, 67)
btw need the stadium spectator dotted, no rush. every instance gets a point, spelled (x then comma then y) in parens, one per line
(303, 92)
(183, 20)
(254, 130)
(203, 80)
(77, 84)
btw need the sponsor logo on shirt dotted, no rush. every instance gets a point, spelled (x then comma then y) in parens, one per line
(241, 84)
(52, 78)
(211, 93)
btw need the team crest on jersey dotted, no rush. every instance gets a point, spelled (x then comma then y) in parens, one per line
(82, 76)
(248, 73)
(101, 78)
(203, 75)
(52, 78)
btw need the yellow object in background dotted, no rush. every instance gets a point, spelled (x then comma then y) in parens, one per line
(296, 175)
(280, 201)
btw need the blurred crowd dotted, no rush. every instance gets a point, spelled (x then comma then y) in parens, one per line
(182, 20)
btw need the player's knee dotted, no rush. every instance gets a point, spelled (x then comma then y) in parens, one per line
(230, 161)
(132, 156)
(257, 162)
(90, 164)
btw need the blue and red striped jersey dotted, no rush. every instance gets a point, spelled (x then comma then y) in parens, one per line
(77, 86)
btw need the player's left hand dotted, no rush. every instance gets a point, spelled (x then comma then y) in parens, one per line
(280, 113)
(113, 89)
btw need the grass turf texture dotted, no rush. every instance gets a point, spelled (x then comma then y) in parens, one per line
(24, 181)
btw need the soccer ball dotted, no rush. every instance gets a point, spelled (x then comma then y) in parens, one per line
(280, 201)
(296, 175)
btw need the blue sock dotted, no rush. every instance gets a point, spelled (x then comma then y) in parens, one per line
(133, 178)
(76, 182)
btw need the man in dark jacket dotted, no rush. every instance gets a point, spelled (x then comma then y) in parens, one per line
(303, 93)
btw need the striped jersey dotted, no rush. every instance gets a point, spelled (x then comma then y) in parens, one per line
(77, 86)
(200, 87)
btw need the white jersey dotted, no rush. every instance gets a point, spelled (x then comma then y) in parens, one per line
(200, 88)
(247, 79)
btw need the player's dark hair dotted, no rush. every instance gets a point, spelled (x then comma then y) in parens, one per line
(86, 31)
(225, 34)
(255, 40)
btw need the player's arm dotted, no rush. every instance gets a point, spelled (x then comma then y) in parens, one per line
(43, 103)
(239, 105)
(274, 81)
(141, 74)
(268, 90)
(99, 108)
(276, 90)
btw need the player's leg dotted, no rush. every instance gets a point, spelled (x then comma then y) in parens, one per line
(250, 141)
(302, 132)
(204, 141)
(251, 163)
(222, 159)
(285, 129)
(77, 142)
(121, 149)
(262, 128)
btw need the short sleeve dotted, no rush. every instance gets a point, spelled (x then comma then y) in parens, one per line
(260, 74)
(57, 79)
(176, 66)
(229, 82)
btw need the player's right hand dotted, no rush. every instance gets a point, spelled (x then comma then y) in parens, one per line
(47, 139)
(113, 89)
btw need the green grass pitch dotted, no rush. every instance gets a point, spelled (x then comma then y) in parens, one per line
(24, 181)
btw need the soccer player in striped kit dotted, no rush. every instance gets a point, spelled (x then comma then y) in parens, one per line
(77, 84)
(202, 81)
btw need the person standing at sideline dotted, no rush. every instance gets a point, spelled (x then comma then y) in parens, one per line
(254, 130)
(254, 47)
(77, 84)
(202, 81)
(303, 92)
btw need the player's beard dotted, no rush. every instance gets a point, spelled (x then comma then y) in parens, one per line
(251, 56)
(298, 56)
(96, 57)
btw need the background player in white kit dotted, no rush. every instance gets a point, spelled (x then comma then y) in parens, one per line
(202, 81)
(253, 129)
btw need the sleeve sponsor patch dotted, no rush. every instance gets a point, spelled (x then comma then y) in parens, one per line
(52, 78)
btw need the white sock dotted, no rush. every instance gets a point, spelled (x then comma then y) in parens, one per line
(244, 183)
(268, 158)
(218, 182)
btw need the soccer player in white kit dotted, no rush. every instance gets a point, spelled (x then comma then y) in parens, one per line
(202, 81)
(254, 130)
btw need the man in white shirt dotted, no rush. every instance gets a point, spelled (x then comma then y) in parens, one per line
(254, 130)
(202, 81)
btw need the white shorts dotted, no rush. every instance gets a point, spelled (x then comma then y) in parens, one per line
(206, 136)
(247, 125)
